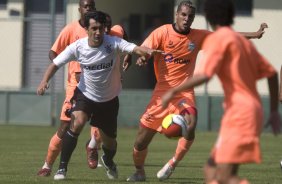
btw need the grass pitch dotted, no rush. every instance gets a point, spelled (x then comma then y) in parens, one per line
(23, 149)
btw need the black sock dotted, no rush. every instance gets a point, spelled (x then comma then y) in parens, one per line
(108, 155)
(68, 145)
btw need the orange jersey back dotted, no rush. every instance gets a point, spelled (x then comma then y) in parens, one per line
(117, 30)
(68, 35)
(238, 65)
(179, 60)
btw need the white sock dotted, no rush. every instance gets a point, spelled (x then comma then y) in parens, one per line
(46, 166)
(92, 143)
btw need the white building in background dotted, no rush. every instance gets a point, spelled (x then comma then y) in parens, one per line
(22, 66)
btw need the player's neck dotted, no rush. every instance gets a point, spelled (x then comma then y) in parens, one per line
(180, 32)
(94, 44)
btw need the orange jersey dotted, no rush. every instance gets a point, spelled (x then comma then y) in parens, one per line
(68, 35)
(179, 60)
(238, 65)
(117, 30)
(171, 70)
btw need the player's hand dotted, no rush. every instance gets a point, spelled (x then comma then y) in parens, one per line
(142, 61)
(152, 52)
(43, 86)
(126, 62)
(166, 98)
(275, 122)
(261, 31)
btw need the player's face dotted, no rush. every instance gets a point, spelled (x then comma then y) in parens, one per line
(96, 32)
(184, 18)
(86, 6)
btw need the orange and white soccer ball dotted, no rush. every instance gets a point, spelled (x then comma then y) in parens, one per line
(174, 126)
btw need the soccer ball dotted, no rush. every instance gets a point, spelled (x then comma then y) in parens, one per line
(174, 126)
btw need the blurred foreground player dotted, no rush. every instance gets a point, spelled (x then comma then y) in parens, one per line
(239, 66)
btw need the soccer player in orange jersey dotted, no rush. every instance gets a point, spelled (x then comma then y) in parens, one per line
(239, 66)
(68, 35)
(181, 44)
(94, 144)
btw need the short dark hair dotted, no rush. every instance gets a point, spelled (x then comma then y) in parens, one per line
(185, 3)
(81, 3)
(219, 12)
(96, 15)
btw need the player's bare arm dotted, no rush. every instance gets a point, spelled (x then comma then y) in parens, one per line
(274, 120)
(255, 35)
(43, 86)
(188, 84)
(144, 54)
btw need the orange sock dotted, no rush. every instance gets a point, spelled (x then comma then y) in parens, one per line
(182, 147)
(54, 149)
(139, 158)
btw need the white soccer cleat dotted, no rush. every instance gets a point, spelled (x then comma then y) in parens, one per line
(61, 174)
(165, 172)
(281, 164)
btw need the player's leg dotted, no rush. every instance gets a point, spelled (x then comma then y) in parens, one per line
(227, 173)
(210, 171)
(184, 144)
(55, 143)
(69, 142)
(140, 149)
(92, 147)
(80, 115)
(105, 118)
(109, 147)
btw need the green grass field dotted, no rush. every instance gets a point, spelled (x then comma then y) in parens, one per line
(23, 149)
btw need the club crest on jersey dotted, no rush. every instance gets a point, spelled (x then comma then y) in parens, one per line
(108, 49)
(191, 46)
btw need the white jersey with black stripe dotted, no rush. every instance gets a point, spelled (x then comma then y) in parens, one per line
(100, 79)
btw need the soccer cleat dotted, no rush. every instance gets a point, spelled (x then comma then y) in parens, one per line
(44, 172)
(137, 176)
(110, 167)
(92, 157)
(165, 172)
(61, 174)
(281, 164)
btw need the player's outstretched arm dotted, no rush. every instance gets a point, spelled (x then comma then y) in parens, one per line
(43, 86)
(189, 83)
(144, 54)
(255, 35)
(274, 119)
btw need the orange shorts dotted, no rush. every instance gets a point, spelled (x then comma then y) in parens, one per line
(237, 149)
(67, 103)
(154, 113)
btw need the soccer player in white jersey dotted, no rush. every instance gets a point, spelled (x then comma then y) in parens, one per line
(96, 95)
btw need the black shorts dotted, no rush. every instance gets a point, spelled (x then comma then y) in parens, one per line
(103, 114)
